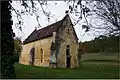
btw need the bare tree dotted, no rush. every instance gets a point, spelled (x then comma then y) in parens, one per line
(100, 15)
(108, 13)
(31, 8)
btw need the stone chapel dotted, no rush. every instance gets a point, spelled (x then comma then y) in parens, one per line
(53, 46)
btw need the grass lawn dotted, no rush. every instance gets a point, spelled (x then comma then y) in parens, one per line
(93, 69)
(101, 56)
(87, 71)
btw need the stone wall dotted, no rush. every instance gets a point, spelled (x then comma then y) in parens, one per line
(66, 37)
(44, 45)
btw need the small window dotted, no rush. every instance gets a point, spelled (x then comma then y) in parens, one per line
(41, 51)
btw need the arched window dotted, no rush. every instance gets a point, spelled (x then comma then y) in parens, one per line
(41, 51)
(67, 50)
(32, 55)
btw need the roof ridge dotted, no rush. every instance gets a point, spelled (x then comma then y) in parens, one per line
(50, 24)
(43, 32)
(54, 22)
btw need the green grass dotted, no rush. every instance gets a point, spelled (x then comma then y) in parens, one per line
(87, 71)
(101, 56)
(91, 68)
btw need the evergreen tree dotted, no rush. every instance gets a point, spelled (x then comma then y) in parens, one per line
(7, 42)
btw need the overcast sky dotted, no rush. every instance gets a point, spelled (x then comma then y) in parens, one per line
(58, 12)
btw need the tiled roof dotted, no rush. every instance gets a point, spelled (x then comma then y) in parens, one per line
(44, 32)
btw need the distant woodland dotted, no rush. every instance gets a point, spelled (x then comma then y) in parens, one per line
(102, 44)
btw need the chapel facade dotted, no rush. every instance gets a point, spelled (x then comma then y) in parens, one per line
(53, 46)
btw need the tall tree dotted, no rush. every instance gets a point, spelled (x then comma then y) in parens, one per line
(7, 60)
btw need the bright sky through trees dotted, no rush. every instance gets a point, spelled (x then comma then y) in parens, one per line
(58, 12)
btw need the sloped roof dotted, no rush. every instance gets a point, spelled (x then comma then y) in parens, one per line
(45, 32)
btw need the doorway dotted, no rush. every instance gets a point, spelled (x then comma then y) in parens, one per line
(68, 57)
(32, 54)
